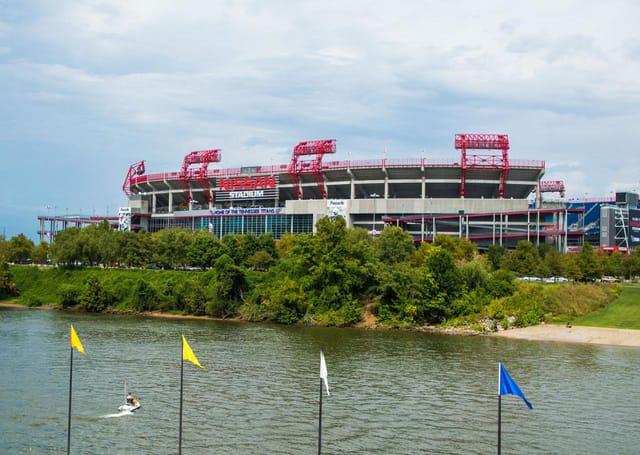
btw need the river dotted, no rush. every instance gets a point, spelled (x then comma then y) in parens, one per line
(392, 392)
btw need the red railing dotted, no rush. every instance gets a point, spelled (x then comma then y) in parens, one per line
(337, 165)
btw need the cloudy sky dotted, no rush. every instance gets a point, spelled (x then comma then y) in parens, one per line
(89, 87)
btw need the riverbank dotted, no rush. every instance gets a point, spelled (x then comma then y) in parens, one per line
(542, 332)
(573, 334)
(18, 305)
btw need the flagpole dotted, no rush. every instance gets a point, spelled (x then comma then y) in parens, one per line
(320, 421)
(499, 407)
(181, 380)
(499, 421)
(69, 417)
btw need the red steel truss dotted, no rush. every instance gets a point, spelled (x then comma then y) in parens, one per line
(200, 175)
(316, 150)
(464, 142)
(134, 170)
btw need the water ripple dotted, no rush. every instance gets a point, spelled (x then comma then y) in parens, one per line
(391, 392)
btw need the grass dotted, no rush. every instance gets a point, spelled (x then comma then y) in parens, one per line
(622, 313)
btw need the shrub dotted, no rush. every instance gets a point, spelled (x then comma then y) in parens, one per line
(33, 301)
(195, 299)
(69, 295)
(94, 298)
(144, 296)
(7, 286)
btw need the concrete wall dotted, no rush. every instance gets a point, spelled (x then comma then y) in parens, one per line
(407, 207)
(412, 206)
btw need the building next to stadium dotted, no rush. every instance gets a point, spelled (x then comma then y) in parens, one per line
(484, 196)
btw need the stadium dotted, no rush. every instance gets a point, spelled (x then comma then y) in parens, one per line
(484, 196)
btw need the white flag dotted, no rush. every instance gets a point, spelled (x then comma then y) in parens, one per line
(323, 372)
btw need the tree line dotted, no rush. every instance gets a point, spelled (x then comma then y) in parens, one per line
(330, 277)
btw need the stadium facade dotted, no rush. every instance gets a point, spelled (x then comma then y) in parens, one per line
(484, 196)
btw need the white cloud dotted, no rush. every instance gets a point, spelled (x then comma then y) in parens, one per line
(155, 79)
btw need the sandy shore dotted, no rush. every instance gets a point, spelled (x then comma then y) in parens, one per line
(574, 334)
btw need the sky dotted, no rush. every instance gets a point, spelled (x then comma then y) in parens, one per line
(88, 88)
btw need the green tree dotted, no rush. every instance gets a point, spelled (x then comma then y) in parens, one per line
(544, 249)
(500, 284)
(331, 268)
(171, 247)
(589, 263)
(66, 249)
(206, 249)
(394, 245)
(251, 244)
(571, 267)
(286, 244)
(331, 233)
(4, 256)
(282, 300)
(496, 254)
(107, 242)
(460, 249)
(524, 260)
(474, 275)
(134, 248)
(267, 243)
(19, 249)
(228, 289)
(260, 260)
(553, 263)
(612, 265)
(89, 245)
(436, 306)
(198, 252)
(631, 264)
(334, 274)
(400, 295)
(446, 275)
(41, 253)
(235, 247)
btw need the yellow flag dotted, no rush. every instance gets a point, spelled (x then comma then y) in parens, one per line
(75, 341)
(187, 353)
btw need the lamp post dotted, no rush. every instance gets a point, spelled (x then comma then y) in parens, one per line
(374, 196)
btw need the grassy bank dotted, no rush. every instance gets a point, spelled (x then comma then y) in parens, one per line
(622, 313)
(122, 287)
(183, 292)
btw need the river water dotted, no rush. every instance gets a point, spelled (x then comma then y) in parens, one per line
(391, 392)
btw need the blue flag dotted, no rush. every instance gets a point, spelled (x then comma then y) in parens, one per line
(509, 387)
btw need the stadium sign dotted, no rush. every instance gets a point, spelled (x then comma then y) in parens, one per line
(124, 219)
(249, 211)
(337, 207)
(246, 188)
